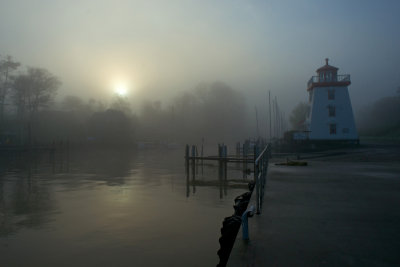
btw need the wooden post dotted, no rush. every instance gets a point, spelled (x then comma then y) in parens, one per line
(193, 157)
(237, 154)
(193, 167)
(187, 155)
(245, 160)
(225, 170)
(202, 153)
(197, 160)
(220, 171)
(194, 177)
(193, 152)
(256, 180)
(187, 170)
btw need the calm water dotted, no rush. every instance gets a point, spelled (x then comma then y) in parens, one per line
(110, 208)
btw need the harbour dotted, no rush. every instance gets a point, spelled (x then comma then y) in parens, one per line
(109, 207)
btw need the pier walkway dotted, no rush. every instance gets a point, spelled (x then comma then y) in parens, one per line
(335, 212)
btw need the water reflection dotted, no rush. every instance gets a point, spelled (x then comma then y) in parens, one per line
(209, 179)
(24, 200)
(111, 207)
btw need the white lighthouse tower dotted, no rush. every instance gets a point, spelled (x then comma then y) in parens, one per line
(331, 115)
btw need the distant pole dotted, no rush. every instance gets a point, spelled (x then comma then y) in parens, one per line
(258, 131)
(270, 127)
(276, 118)
(280, 125)
(202, 151)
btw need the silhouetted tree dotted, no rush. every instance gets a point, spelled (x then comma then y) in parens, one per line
(122, 104)
(110, 127)
(7, 67)
(34, 90)
(72, 103)
(381, 118)
(213, 110)
(299, 115)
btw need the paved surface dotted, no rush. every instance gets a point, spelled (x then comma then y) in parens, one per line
(338, 211)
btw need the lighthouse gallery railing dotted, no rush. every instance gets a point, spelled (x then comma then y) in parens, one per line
(321, 79)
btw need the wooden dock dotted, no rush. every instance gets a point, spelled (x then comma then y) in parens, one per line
(227, 159)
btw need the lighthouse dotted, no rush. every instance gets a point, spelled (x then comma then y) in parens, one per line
(330, 116)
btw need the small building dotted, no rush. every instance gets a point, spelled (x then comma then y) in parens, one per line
(330, 115)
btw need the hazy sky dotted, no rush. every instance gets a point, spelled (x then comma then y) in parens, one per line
(165, 46)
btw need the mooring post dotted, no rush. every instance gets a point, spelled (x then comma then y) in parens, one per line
(197, 155)
(220, 171)
(193, 166)
(245, 222)
(244, 160)
(197, 159)
(193, 155)
(194, 172)
(193, 151)
(187, 170)
(256, 180)
(202, 155)
(225, 169)
(237, 154)
(225, 151)
(187, 155)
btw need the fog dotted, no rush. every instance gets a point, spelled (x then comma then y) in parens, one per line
(159, 53)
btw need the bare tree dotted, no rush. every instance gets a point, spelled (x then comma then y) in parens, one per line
(122, 104)
(34, 90)
(72, 103)
(7, 66)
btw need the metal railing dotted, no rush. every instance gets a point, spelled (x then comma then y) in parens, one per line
(327, 79)
(260, 174)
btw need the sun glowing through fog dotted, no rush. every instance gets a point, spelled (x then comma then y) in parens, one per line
(121, 89)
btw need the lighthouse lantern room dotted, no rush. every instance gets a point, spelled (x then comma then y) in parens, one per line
(331, 115)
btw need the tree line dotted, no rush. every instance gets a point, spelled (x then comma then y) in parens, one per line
(27, 91)
(380, 118)
(29, 113)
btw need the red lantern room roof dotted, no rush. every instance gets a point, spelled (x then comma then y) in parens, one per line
(327, 67)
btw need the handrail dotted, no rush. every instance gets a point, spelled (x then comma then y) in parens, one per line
(260, 174)
(335, 78)
(261, 154)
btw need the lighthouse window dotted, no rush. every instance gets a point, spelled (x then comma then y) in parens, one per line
(332, 111)
(328, 77)
(331, 94)
(332, 128)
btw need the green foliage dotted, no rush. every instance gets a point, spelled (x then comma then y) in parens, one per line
(299, 115)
